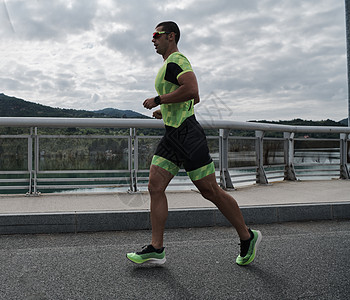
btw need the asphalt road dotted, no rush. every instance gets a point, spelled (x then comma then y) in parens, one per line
(308, 260)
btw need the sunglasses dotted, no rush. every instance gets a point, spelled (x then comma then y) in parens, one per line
(157, 34)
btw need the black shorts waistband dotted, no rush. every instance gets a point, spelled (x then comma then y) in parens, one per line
(183, 124)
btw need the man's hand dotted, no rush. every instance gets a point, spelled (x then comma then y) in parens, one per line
(157, 114)
(149, 103)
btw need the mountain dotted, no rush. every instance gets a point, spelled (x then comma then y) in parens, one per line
(117, 113)
(344, 122)
(300, 122)
(15, 107)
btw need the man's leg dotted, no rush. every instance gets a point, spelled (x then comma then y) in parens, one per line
(154, 253)
(158, 182)
(250, 239)
(228, 206)
(161, 172)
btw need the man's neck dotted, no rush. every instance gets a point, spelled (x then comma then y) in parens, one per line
(170, 51)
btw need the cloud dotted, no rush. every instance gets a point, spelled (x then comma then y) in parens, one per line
(266, 59)
(5, 20)
(95, 98)
(50, 20)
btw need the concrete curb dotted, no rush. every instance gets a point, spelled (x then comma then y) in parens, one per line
(75, 222)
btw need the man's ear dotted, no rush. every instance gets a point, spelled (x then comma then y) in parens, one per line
(172, 36)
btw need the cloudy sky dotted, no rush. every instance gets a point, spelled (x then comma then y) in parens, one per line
(254, 59)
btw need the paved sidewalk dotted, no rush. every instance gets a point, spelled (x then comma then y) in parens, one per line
(278, 202)
(280, 193)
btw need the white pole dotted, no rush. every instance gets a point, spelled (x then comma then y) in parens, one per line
(347, 20)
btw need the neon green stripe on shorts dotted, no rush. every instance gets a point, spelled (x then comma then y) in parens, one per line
(165, 164)
(202, 172)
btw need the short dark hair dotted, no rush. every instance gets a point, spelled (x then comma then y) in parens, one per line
(170, 26)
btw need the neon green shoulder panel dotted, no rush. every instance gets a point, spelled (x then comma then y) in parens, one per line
(174, 113)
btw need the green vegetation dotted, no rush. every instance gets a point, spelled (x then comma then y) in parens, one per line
(15, 107)
(295, 122)
(102, 153)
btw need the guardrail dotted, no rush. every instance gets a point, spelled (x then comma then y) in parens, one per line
(286, 162)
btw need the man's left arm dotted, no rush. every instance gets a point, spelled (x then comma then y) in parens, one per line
(187, 90)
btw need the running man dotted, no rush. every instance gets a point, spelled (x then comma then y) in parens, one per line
(184, 144)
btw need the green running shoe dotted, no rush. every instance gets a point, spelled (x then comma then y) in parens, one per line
(148, 254)
(248, 248)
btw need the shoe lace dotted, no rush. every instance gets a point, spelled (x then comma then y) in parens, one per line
(148, 249)
(144, 250)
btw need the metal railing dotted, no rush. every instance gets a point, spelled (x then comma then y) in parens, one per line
(252, 162)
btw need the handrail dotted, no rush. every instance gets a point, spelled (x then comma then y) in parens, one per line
(133, 171)
(152, 123)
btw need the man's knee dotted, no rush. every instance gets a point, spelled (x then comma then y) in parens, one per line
(154, 187)
(210, 192)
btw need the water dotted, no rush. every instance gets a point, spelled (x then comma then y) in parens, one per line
(240, 178)
(309, 165)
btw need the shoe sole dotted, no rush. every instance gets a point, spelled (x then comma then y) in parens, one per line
(258, 240)
(154, 261)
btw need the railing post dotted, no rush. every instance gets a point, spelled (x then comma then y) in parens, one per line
(30, 161)
(344, 171)
(259, 151)
(225, 178)
(36, 161)
(289, 171)
(133, 160)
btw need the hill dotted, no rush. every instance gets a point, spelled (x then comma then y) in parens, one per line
(300, 122)
(15, 107)
(344, 122)
(117, 113)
